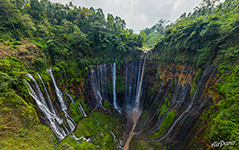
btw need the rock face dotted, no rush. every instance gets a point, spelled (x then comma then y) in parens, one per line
(171, 99)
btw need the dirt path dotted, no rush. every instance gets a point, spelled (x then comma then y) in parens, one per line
(136, 115)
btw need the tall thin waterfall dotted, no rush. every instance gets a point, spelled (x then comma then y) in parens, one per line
(71, 99)
(58, 91)
(51, 117)
(140, 85)
(138, 89)
(114, 86)
(82, 110)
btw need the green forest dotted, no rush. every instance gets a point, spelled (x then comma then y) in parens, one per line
(36, 35)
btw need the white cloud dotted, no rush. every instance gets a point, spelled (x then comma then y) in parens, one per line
(139, 14)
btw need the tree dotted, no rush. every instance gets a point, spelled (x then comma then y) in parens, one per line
(28, 24)
(18, 3)
(79, 42)
(110, 22)
(68, 26)
(35, 10)
(10, 16)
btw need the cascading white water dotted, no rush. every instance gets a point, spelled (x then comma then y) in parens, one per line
(139, 84)
(58, 91)
(69, 120)
(102, 85)
(116, 140)
(47, 95)
(53, 120)
(171, 97)
(190, 109)
(114, 86)
(39, 93)
(71, 99)
(50, 116)
(82, 110)
(95, 86)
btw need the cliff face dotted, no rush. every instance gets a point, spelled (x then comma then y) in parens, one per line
(172, 98)
(176, 96)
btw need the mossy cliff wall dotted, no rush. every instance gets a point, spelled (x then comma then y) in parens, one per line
(184, 105)
(173, 99)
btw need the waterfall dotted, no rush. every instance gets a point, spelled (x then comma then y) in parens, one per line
(170, 97)
(53, 120)
(115, 139)
(114, 85)
(47, 94)
(136, 113)
(102, 84)
(51, 117)
(140, 85)
(82, 110)
(38, 91)
(138, 88)
(58, 92)
(69, 120)
(95, 86)
(71, 99)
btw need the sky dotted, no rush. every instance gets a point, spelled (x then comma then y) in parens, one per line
(139, 14)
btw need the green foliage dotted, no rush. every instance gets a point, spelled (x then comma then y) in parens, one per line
(120, 84)
(40, 63)
(153, 34)
(38, 137)
(156, 145)
(70, 143)
(75, 112)
(194, 87)
(106, 105)
(167, 121)
(97, 127)
(138, 144)
(163, 108)
(85, 107)
(228, 57)
(223, 124)
(205, 37)
(17, 43)
(71, 38)
(10, 18)
(11, 73)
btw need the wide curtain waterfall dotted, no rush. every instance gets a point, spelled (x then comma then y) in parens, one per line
(117, 85)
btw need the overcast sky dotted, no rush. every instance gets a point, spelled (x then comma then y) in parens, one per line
(139, 14)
